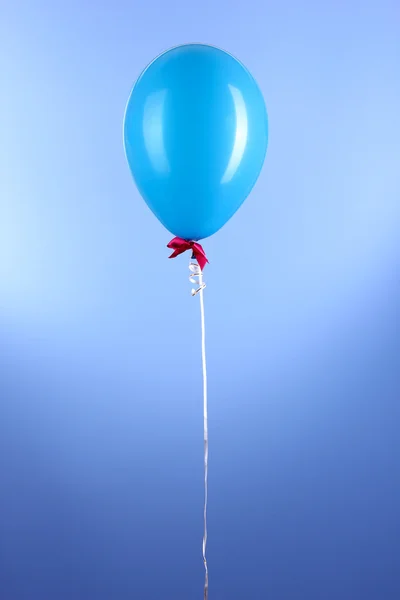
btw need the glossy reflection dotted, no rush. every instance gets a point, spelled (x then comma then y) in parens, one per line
(153, 131)
(240, 143)
(195, 135)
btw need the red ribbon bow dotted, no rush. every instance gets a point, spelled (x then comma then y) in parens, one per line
(179, 245)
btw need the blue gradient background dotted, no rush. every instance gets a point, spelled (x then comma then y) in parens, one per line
(100, 381)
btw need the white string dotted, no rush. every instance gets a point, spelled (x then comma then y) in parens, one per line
(205, 419)
(196, 273)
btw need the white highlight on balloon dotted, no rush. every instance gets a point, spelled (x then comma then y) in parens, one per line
(153, 132)
(241, 134)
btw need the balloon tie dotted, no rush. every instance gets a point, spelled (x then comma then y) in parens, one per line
(179, 246)
(196, 276)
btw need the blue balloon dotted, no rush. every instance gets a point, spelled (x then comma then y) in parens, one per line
(195, 135)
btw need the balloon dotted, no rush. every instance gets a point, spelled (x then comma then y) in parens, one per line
(195, 136)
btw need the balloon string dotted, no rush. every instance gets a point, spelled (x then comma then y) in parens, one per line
(196, 274)
(205, 421)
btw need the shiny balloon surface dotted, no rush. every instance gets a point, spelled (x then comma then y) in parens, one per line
(195, 135)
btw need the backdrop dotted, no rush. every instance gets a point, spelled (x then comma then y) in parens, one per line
(101, 447)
